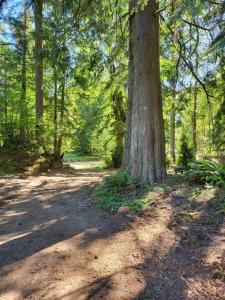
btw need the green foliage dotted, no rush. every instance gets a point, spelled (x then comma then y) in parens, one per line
(218, 135)
(117, 156)
(119, 190)
(186, 152)
(15, 160)
(85, 54)
(44, 163)
(74, 156)
(118, 180)
(206, 171)
(159, 188)
(221, 206)
(194, 193)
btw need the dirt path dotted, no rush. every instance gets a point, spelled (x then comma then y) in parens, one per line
(55, 245)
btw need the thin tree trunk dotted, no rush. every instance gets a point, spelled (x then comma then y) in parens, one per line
(173, 112)
(145, 149)
(194, 119)
(38, 11)
(210, 128)
(127, 146)
(172, 135)
(55, 112)
(194, 125)
(62, 108)
(62, 104)
(23, 104)
(5, 108)
(119, 115)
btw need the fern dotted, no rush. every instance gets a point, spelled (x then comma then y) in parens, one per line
(206, 171)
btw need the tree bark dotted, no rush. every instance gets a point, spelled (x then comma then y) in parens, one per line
(172, 135)
(145, 150)
(194, 118)
(172, 113)
(62, 108)
(194, 125)
(5, 107)
(119, 116)
(38, 11)
(23, 104)
(55, 112)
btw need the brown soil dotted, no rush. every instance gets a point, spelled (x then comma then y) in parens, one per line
(55, 245)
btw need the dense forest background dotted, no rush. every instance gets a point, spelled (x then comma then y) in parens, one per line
(64, 77)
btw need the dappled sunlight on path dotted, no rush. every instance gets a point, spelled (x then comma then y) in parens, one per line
(55, 245)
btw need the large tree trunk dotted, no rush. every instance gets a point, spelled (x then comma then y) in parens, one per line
(145, 149)
(38, 10)
(23, 104)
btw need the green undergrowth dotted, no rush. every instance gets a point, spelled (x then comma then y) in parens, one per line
(44, 163)
(117, 190)
(73, 157)
(91, 161)
(206, 171)
(121, 189)
(13, 161)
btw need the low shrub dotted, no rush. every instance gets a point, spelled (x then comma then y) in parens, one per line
(118, 180)
(206, 171)
(43, 163)
(186, 152)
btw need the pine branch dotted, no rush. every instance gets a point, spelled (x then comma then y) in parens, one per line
(188, 64)
(195, 25)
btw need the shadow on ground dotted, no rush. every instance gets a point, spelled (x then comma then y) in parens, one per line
(54, 244)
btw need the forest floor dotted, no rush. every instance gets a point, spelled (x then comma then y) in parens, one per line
(55, 244)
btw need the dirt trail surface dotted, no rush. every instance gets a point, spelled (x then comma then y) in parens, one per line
(55, 245)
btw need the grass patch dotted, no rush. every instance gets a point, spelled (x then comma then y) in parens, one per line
(73, 157)
(218, 204)
(117, 190)
(121, 189)
(96, 162)
(186, 214)
(196, 191)
(101, 165)
(159, 188)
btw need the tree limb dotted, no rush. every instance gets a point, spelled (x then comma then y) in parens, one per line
(195, 25)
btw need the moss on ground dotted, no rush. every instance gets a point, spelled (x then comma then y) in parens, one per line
(13, 161)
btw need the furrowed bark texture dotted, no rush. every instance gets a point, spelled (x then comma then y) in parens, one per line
(144, 150)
